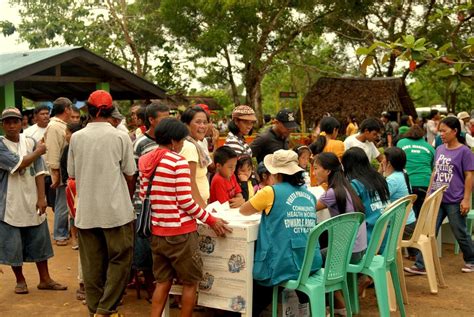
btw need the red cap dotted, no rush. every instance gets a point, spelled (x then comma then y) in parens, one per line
(204, 107)
(100, 99)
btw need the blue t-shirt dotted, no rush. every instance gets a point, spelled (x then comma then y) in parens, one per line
(397, 186)
(374, 206)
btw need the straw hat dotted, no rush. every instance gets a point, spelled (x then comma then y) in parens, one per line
(283, 162)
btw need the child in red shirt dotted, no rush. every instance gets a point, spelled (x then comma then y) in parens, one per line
(224, 186)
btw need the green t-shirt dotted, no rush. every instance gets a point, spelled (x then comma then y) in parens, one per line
(403, 129)
(420, 156)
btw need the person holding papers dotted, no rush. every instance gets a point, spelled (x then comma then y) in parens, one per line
(224, 186)
(288, 215)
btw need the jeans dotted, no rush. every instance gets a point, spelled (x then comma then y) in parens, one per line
(61, 215)
(457, 222)
(420, 192)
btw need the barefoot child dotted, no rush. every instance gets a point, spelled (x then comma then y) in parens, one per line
(224, 186)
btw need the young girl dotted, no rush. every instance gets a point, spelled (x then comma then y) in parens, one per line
(264, 177)
(244, 172)
(369, 185)
(304, 155)
(454, 163)
(393, 167)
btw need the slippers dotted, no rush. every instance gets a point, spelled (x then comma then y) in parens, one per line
(21, 288)
(61, 243)
(80, 294)
(52, 286)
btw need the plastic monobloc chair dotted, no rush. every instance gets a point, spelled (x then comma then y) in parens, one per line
(377, 265)
(424, 239)
(342, 232)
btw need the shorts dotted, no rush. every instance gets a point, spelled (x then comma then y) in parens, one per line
(24, 244)
(177, 257)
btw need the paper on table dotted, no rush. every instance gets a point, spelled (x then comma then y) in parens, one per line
(217, 207)
(229, 214)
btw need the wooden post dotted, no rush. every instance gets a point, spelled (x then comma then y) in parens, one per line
(103, 86)
(7, 96)
(303, 124)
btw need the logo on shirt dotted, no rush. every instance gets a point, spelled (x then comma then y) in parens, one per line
(444, 169)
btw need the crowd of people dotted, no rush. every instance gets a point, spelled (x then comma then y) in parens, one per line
(96, 173)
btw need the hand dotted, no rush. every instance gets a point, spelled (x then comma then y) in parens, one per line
(243, 177)
(236, 202)
(220, 227)
(465, 207)
(40, 147)
(54, 179)
(41, 205)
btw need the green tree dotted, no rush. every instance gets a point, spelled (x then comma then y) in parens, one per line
(245, 37)
(128, 33)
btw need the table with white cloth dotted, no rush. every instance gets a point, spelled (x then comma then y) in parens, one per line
(227, 282)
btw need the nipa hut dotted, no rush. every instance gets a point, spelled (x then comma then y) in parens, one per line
(359, 97)
(178, 101)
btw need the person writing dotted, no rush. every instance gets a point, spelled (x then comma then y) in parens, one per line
(282, 233)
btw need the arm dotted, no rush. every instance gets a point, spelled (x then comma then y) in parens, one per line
(131, 180)
(466, 201)
(30, 158)
(54, 141)
(389, 140)
(41, 196)
(236, 201)
(247, 209)
(320, 205)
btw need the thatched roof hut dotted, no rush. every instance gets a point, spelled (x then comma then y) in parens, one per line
(359, 97)
(177, 100)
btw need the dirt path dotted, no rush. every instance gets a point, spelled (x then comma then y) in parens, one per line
(456, 300)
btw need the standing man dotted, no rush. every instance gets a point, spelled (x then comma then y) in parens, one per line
(101, 161)
(389, 132)
(55, 140)
(37, 130)
(24, 233)
(369, 131)
(275, 138)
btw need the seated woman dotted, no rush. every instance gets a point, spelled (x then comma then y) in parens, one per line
(287, 217)
(393, 167)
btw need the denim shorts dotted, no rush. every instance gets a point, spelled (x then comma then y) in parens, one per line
(24, 244)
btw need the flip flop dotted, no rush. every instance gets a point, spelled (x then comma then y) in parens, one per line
(52, 286)
(21, 288)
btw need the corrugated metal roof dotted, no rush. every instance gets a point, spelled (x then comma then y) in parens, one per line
(12, 61)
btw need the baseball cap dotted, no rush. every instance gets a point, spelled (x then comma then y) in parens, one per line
(204, 107)
(287, 117)
(11, 113)
(116, 114)
(100, 99)
(463, 115)
(244, 112)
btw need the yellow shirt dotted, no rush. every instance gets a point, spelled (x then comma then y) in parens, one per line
(190, 153)
(334, 146)
(263, 199)
(351, 129)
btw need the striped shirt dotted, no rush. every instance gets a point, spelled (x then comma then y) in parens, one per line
(173, 208)
(238, 144)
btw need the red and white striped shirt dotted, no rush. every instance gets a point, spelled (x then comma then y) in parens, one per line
(173, 208)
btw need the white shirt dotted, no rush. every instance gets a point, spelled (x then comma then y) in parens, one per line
(369, 147)
(35, 132)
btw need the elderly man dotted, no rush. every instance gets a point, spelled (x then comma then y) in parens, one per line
(101, 161)
(24, 233)
(55, 140)
(275, 138)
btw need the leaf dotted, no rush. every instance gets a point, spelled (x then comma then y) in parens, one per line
(385, 58)
(420, 42)
(362, 51)
(409, 39)
(444, 47)
(446, 72)
(470, 41)
(382, 44)
(369, 60)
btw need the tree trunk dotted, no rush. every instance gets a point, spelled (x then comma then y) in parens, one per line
(253, 89)
(230, 76)
(452, 102)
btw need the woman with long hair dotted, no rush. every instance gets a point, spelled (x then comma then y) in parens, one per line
(282, 232)
(196, 120)
(326, 141)
(339, 199)
(454, 163)
(352, 126)
(370, 186)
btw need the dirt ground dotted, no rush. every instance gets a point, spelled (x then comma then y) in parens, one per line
(456, 300)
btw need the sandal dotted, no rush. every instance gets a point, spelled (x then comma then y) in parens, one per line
(21, 288)
(80, 294)
(52, 286)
